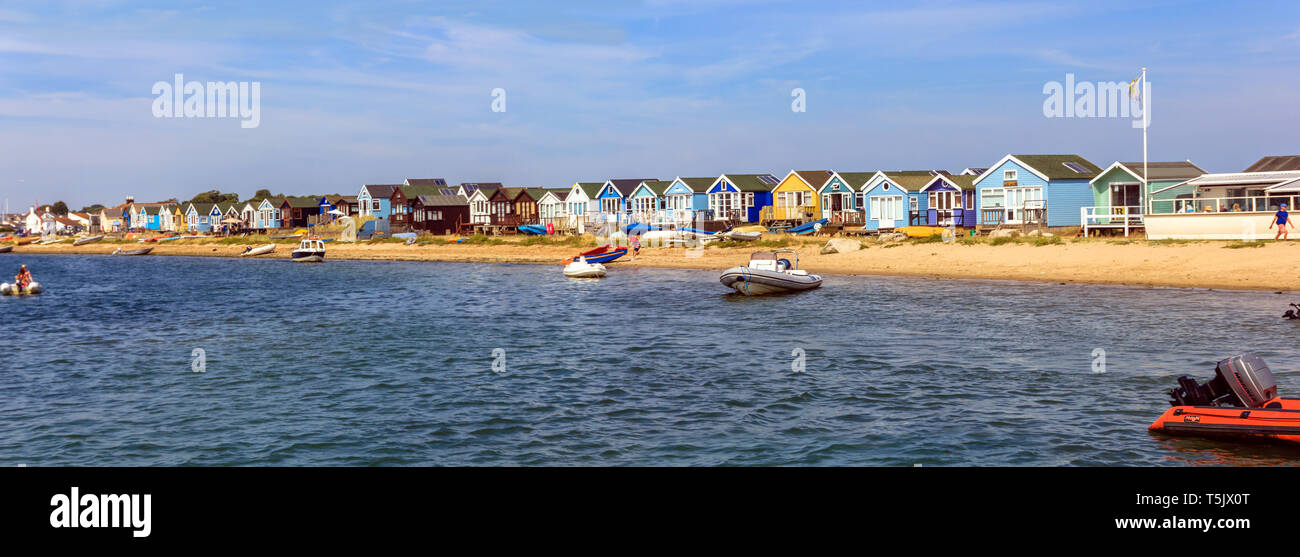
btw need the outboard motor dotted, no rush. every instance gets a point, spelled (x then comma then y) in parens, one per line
(1242, 381)
(1292, 313)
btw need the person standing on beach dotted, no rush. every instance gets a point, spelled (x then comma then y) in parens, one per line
(1282, 220)
(636, 246)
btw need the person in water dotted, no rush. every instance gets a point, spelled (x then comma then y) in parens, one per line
(1282, 220)
(23, 278)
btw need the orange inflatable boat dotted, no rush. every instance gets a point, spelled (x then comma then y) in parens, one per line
(1240, 402)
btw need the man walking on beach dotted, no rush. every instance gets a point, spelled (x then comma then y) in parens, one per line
(1281, 219)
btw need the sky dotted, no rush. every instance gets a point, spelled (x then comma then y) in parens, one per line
(376, 92)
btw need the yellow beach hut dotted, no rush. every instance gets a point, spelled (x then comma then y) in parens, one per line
(795, 200)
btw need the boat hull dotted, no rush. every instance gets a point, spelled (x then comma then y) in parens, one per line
(585, 273)
(313, 256)
(259, 251)
(602, 257)
(6, 249)
(8, 289)
(144, 251)
(752, 282)
(1278, 424)
(85, 241)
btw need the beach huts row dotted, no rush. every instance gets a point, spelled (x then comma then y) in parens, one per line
(1062, 190)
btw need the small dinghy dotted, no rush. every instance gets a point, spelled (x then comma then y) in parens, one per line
(310, 250)
(768, 273)
(87, 240)
(738, 236)
(13, 290)
(6, 249)
(253, 252)
(1241, 402)
(584, 269)
(602, 254)
(141, 251)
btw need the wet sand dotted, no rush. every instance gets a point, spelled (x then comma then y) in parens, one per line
(1206, 264)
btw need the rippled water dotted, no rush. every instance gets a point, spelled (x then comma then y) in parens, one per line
(368, 363)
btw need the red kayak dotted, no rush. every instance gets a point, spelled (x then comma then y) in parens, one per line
(1241, 402)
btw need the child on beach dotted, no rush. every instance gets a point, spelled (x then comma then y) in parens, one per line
(1282, 220)
(636, 246)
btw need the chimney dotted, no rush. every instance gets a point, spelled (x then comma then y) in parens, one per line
(130, 199)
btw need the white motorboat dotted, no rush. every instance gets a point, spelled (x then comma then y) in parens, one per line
(8, 289)
(253, 252)
(737, 236)
(580, 268)
(769, 273)
(310, 250)
(88, 239)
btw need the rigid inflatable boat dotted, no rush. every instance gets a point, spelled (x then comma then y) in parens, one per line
(1240, 402)
(768, 273)
(8, 289)
(582, 269)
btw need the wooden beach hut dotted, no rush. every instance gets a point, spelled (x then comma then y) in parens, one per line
(1035, 190)
(687, 199)
(841, 197)
(646, 201)
(950, 201)
(740, 198)
(795, 200)
(440, 213)
(893, 199)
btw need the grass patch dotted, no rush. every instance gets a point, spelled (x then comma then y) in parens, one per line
(1046, 241)
(887, 246)
(1170, 242)
(777, 243)
(1239, 245)
(1003, 240)
(931, 239)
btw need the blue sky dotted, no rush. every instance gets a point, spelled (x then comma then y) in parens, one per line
(371, 92)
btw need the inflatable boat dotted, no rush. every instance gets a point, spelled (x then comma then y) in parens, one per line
(142, 251)
(8, 289)
(769, 273)
(582, 269)
(254, 252)
(1241, 402)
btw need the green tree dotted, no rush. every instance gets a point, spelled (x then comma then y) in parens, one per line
(262, 193)
(215, 196)
(60, 208)
(91, 208)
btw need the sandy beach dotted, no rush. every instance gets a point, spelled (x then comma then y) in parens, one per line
(1203, 264)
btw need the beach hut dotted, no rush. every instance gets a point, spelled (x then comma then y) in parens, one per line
(841, 196)
(480, 210)
(525, 204)
(296, 212)
(1042, 190)
(893, 199)
(376, 200)
(646, 201)
(440, 213)
(950, 200)
(582, 202)
(687, 199)
(613, 196)
(740, 198)
(501, 207)
(1123, 189)
(552, 208)
(795, 200)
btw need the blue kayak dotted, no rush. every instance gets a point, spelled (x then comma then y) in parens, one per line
(806, 228)
(532, 229)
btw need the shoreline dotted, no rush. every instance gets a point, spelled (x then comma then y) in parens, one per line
(1202, 264)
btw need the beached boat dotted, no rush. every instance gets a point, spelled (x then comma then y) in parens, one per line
(253, 252)
(602, 254)
(310, 250)
(286, 236)
(583, 269)
(48, 241)
(24, 241)
(1241, 402)
(738, 236)
(807, 227)
(534, 229)
(769, 273)
(8, 289)
(6, 249)
(87, 240)
(142, 251)
(159, 238)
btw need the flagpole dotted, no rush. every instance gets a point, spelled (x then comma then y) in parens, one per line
(1146, 123)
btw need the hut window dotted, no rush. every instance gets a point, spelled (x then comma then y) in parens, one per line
(749, 200)
(374, 205)
(1009, 175)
